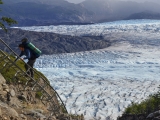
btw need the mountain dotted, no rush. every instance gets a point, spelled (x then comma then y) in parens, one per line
(53, 12)
(51, 43)
(108, 10)
(40, 13)
(144, 15)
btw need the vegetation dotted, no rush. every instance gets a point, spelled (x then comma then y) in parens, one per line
(147, 106)
(39, 94)
(9, 73)
(6, 21)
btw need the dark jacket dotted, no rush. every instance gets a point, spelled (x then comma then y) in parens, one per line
(28, 53)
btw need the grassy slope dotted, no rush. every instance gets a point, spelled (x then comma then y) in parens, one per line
(9, 72)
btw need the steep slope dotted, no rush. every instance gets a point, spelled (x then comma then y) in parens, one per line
(20, 99)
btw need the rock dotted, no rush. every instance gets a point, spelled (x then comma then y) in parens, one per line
(1, 88)
(0, 111)
(8, 96)
(5, 118)
(155, 115)
(51, 118)
(2, 80)
(12, 112)
(35, 114)
(5, 86)
(23, 116)
(156, 118)
(2, 98)
(39, 110)
(12, 93)
(7, 90)
(63, 117)
(3, 105)
(14, 102)
(22, 97)
(132, 117)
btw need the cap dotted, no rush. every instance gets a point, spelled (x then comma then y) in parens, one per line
(24, 40)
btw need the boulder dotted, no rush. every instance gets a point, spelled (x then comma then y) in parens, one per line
(2, 80)
(12, 93)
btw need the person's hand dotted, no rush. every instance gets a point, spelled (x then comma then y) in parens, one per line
(22, 59)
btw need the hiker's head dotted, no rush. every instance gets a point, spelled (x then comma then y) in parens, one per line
(24, 40)
(21, 47)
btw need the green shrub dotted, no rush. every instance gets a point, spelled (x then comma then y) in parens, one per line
(38, 94)
(147, 106)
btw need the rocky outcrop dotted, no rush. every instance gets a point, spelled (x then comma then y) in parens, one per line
(152, 116)
(132, 117)
(16, 105)
(22, 105)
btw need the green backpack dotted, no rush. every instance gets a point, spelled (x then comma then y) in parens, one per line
(31, 47)
(34, 49)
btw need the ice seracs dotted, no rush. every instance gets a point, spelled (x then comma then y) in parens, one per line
(101, 83)
(100, 29)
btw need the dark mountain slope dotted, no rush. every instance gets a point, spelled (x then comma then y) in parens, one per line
(144, 15)
(51, 43)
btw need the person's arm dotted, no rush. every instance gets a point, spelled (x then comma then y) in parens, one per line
(21, 54)
(27, 54)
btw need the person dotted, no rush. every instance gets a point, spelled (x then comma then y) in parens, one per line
(31, 59)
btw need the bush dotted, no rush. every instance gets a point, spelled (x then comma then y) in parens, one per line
(149, 105)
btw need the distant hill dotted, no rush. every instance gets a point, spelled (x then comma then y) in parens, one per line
(110, 10)
(144, 15)
(51, 43)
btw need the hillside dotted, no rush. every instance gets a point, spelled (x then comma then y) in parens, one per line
(16, 105)
(51, 43)
(25, 105)
(26, 98)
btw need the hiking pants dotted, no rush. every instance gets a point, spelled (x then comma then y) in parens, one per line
(29, 67)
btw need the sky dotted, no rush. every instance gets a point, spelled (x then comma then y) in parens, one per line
(79, 1)
(75, 1)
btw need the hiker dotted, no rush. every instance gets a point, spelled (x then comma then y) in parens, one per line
(30, 56)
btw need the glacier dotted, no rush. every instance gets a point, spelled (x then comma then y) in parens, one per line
(100, 84)
(101, 29)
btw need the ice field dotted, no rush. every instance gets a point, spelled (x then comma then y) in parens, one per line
(100, 84)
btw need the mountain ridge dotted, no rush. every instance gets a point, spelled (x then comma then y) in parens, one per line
(52, 12)
(51, 43)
